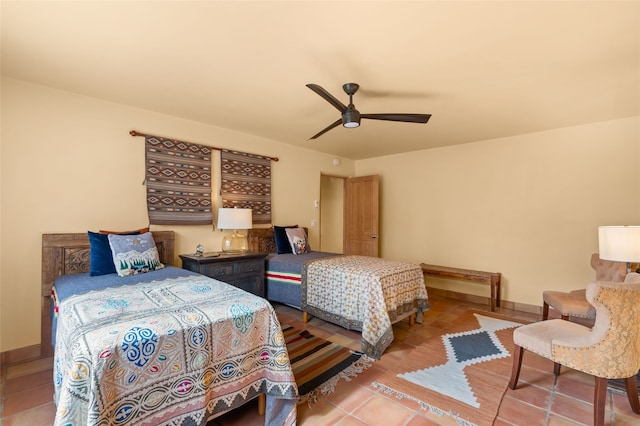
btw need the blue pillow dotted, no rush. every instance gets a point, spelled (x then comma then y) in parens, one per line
(100, 251)
(282, 241)
(100, 255)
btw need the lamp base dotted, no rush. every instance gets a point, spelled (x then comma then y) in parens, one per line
(235, 243)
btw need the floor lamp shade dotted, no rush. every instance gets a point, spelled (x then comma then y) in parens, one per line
(235, 219)
(619, 243)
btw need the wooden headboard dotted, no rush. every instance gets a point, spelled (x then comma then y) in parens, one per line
(261, 240)
(70, 254)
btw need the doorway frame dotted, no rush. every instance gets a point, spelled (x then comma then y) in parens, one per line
(324, 200)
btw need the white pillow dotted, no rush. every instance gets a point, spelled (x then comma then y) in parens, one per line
(298, 240)
(134, 254)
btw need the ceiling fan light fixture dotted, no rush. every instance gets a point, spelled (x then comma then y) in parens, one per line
(351, 118)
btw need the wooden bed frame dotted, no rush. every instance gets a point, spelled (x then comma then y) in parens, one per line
(70, 254)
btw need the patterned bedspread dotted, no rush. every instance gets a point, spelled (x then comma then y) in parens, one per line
(364, 293)
(171, 352)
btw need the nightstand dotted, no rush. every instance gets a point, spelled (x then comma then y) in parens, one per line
(245, 271)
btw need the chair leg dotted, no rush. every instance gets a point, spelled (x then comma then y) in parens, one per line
(632, 393)
(599, 399)
(556, 369)
(545, 312)
(515, 369)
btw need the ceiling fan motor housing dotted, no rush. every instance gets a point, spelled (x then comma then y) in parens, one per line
(351, 117)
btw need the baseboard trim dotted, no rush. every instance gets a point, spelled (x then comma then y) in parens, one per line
(481, 300)
(19, 355)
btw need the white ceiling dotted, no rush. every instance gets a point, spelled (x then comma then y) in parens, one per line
(482, 69)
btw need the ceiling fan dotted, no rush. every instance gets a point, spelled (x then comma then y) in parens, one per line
(351, 116)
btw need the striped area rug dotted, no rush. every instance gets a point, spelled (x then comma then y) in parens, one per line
(319, 364)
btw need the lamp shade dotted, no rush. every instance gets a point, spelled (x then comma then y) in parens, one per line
(235, 218)
(619, 243)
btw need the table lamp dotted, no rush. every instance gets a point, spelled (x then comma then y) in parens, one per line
(235, 219)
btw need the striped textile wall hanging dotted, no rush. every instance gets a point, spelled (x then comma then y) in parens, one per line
(246, 183)
(178, 176)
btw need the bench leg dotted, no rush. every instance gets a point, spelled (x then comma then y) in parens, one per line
(493, 298)
(495, 292)
(305, 317)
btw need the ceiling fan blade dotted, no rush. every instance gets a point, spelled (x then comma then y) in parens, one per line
(327, 97)
(326, 129)
(407, 118)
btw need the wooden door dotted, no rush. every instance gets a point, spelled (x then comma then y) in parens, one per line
(361, 215)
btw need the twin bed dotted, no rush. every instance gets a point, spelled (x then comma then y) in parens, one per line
(356, 292)
(174, 347)
(163, 347)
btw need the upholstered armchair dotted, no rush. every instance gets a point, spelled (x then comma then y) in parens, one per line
(574, 303)
(609, 350)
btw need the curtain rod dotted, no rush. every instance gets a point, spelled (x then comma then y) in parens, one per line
(136, 133)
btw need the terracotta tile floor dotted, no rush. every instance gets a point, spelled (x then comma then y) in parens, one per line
(540, 399)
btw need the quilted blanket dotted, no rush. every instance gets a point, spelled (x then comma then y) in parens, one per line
(169, 352)
(364, 293)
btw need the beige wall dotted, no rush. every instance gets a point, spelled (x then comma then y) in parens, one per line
(526, 206)
(70, 165)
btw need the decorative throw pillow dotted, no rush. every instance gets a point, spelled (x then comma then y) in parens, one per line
(100, 251)
(282, 241)
(298, 240)
(100, 255)
(134, 254)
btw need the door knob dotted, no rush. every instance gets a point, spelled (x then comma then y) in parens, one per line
(374, 236)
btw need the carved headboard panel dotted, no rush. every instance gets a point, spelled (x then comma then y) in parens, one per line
(261, 240)
(70, 254)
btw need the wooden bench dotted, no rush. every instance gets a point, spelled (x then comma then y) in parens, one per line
(489, 278)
